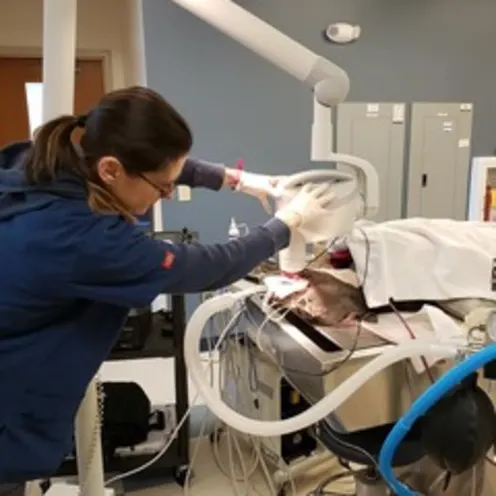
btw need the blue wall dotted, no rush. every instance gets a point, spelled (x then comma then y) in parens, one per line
(240, 106)
(237, 104)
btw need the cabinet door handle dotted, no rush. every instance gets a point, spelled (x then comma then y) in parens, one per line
(424, 180)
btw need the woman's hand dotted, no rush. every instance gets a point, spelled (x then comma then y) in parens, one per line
(260, 186)
(309, 203)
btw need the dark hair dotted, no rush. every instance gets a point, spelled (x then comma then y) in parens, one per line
(135, 125)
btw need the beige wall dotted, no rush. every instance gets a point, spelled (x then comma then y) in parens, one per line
(104, 26)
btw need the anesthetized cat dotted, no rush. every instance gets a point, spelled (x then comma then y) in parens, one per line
(331, 298)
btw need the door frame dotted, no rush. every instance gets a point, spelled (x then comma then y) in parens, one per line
(106, 56)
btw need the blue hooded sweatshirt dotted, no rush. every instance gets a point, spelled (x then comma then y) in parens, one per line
(68, 278)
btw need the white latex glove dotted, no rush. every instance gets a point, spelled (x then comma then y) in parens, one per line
(308, 204)
(260, 186)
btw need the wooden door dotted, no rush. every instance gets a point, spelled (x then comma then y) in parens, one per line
(15, 72)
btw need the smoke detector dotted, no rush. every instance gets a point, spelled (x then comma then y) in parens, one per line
(342, 32)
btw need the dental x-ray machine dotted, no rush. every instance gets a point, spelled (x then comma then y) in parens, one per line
(330, 86)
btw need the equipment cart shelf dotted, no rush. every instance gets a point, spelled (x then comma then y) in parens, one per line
(165, 340)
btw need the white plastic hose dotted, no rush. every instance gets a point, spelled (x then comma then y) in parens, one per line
(316, 412)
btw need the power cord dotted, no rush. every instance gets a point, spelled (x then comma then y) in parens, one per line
(335, 367)
(13, 490)
(321, 490)
(412, 336)
(243, 399)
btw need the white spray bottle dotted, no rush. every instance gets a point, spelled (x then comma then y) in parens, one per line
(234, 231)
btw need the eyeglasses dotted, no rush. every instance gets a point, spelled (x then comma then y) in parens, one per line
(163, 192)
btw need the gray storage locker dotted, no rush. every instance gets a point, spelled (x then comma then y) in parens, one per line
(439, 164)
(376, 132)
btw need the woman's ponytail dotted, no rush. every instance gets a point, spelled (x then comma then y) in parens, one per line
(53, 150)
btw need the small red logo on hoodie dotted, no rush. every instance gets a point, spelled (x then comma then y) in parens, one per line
(168, 260)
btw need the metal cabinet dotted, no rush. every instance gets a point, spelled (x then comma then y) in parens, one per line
(439, 160)
(376, 132)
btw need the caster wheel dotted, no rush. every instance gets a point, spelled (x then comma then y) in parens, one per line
(45, 485)
(180, 474)
(215, 436)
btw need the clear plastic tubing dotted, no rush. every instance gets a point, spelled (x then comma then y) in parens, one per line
(316, 412)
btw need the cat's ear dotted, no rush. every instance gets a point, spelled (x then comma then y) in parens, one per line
(350, 320)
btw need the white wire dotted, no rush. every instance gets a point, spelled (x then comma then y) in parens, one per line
(233, 477)
(232, 436)
(255, 442)
(195, 455)
(271, 311)
(149, 463)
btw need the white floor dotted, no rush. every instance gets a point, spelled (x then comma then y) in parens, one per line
(209, 480)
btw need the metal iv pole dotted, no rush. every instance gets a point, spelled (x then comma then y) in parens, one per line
(59, 68)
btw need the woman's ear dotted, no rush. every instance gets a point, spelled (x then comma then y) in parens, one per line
(109, 169)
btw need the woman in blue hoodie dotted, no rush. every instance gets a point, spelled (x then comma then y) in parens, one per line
(73, 262)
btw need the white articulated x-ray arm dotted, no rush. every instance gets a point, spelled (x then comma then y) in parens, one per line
(330, 83)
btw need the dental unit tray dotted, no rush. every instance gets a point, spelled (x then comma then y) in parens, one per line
(356, 337)
(341, 337)
(317, 360)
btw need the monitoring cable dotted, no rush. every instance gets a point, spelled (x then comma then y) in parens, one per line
(359, 321)
(232, 325)
(233, 350)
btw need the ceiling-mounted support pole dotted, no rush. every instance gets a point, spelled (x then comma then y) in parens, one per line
(59, 57)
(59, 64)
